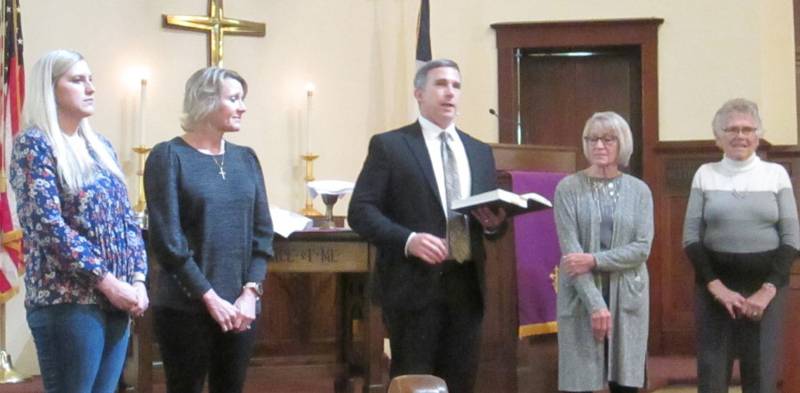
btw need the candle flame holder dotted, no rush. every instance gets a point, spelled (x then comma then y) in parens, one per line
(309, 210)
(140, 208)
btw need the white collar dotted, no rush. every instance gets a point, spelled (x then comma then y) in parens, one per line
(432, 131)
(208, 152)
(740, 166)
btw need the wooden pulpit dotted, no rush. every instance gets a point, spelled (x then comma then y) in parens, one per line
(508, 363)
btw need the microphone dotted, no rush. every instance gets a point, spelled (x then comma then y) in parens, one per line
(503, 119)
(518, 124)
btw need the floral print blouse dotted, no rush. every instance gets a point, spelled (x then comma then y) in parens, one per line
(71, 239)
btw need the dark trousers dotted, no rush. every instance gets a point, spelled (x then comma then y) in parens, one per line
(614, 388)
(193, 346)
(721, 339)
(443, 337)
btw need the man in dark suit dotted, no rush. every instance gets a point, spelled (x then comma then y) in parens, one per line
(429, 274)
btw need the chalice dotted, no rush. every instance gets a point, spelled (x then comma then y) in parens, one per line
(330, 192)
(329, 200)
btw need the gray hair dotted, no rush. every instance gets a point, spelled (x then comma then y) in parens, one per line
(421, 77)
(737, 105)
(202, 92)
(75, 167)
(610, 121)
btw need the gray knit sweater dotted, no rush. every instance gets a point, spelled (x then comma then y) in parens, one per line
(582, 364)
(741, 224)
(205, 231)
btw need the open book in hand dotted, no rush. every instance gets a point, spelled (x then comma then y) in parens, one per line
(512, 203)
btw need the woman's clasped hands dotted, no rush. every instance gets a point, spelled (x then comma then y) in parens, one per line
(737, 305)
(131, 298)
(236, 317)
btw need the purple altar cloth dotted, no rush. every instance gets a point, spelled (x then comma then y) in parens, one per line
(538, 254)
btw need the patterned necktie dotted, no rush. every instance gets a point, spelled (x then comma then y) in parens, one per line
(457, 224)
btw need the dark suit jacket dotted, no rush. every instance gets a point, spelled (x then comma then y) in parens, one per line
(396, 194)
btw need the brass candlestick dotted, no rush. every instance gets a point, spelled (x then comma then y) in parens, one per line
(141, 202)
(309, 210)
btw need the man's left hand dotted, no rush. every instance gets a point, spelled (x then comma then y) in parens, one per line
(489, 219)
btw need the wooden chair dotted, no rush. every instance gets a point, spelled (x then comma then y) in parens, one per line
(417, 384)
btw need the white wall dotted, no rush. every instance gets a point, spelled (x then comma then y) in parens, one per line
(359, 53)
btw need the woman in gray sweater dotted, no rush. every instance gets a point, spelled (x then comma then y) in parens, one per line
(741, 235)
(211, 233)
(604, 220)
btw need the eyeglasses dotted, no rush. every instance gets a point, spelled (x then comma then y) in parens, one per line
(607, 140)
(743, 131)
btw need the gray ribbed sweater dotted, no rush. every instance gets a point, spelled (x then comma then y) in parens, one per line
(205, 231)
(581, 357)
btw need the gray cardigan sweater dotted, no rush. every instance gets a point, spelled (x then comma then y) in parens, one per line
(581, 358)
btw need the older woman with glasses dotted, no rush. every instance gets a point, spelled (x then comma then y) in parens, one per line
(741, 235)
(604, 219)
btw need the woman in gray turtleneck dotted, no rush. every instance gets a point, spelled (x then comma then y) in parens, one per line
(741, 234)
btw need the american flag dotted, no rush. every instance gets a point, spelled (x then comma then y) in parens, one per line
(13, 94)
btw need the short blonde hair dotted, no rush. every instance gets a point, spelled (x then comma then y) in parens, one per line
(614, 123)
(201, 96)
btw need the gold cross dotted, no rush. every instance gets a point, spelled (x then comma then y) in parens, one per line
(216, 25)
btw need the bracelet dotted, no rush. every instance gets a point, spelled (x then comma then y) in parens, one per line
(255, 287)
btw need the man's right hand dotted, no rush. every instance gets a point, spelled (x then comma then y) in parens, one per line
(427, 247)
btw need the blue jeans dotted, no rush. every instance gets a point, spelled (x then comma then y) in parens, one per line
(81, 348)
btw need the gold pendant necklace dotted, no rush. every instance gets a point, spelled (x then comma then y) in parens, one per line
(220, 165)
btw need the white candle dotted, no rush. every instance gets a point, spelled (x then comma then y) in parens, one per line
(142, 95)
(309, 94)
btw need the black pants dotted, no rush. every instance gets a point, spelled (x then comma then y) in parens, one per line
(193, 346)
(614, 388)
(442, 338)
(721, 339)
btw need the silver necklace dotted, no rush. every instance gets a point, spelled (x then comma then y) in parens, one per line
(220, 165)
(605, 193)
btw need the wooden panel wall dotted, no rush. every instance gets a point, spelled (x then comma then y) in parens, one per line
(671, 273)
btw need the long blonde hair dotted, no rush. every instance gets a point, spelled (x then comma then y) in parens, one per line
(75, 168)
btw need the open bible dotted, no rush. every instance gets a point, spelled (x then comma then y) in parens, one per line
(513, 204)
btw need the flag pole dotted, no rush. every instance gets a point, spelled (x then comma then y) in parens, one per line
(7, 373)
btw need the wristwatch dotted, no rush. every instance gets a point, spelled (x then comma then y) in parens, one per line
(255, 287)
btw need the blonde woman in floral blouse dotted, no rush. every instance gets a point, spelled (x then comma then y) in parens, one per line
(84, 253)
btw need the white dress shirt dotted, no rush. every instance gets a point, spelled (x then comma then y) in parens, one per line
(431, 132)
